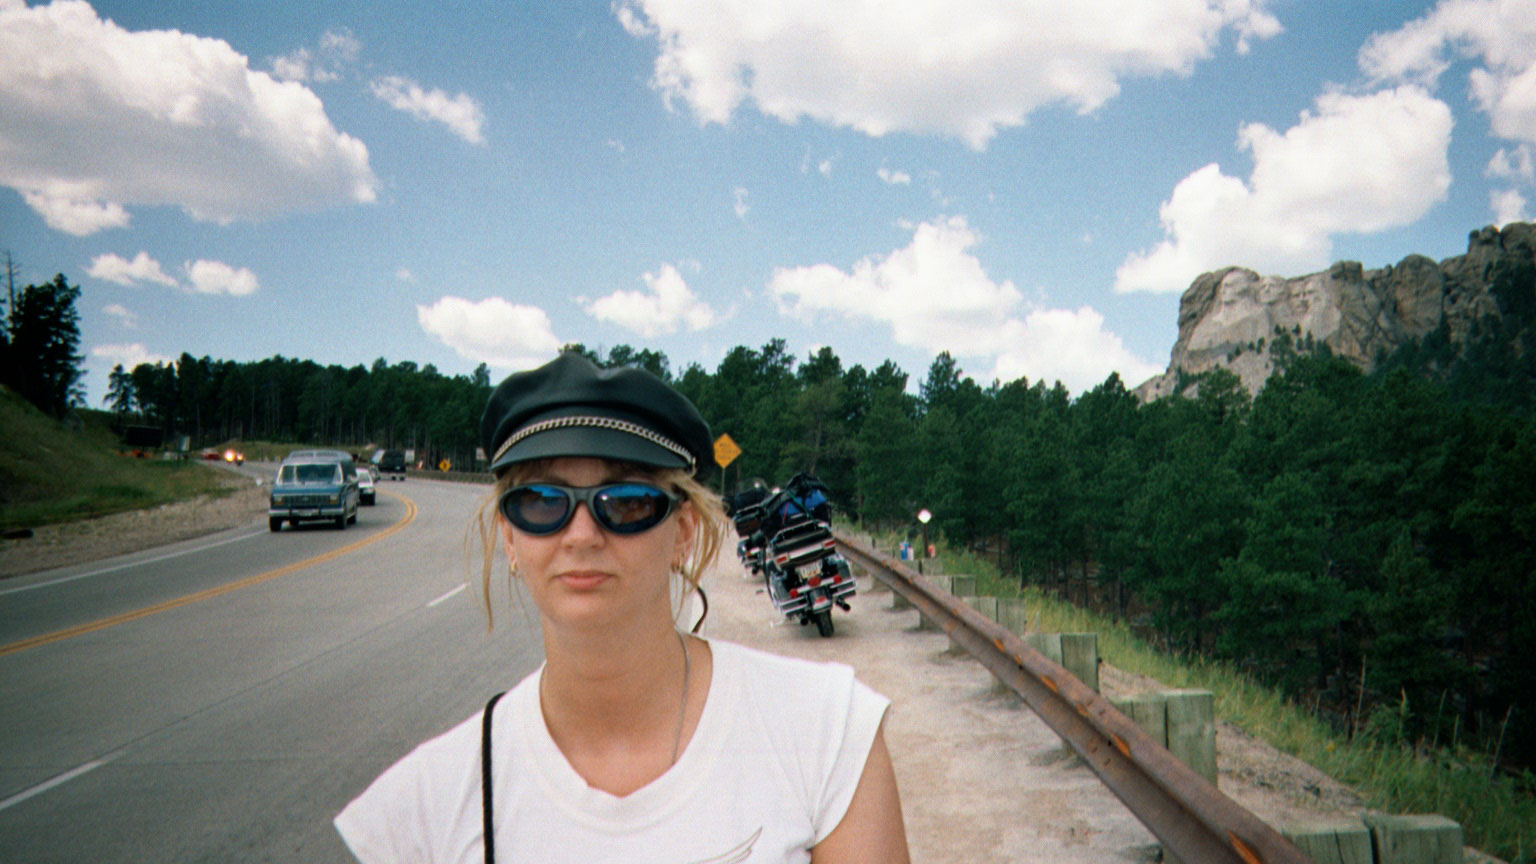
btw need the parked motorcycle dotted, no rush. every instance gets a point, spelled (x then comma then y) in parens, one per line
(750, 549)
(794, 549)
(748, 511)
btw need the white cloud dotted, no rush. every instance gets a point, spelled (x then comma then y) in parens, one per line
(203, 276)
(1070, 346)
(1516, 164)
(958, 68)
(404, 274)
(1508, 206)
(739, 202)
(461, 114)
(81, 218)
(114, 268)
(294, 66)
(123, 314)
(666, 306)
(1357, 164)
(171, 119)
(492, 331)
(1500, 34)
(894, 178)
(338, 49)
(128, 355)
(824, 168)
(935, 296)
(216, 277)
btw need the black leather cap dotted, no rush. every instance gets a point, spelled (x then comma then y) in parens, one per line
(570, 407)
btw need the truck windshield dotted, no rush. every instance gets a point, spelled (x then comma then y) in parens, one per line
(311, 473)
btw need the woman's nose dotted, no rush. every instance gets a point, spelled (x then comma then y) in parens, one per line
(582, 527)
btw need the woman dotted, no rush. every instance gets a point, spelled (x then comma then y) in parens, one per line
(634, 742)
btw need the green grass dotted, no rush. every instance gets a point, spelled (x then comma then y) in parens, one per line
(56, 472)
(1496, 813)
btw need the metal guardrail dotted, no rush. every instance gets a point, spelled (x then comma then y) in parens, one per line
(1192, 819)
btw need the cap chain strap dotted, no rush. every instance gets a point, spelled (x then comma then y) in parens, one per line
(601, 423)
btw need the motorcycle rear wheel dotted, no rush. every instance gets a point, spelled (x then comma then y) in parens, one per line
(824, 622)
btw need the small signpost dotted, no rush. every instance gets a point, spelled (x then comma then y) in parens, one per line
(726, 451)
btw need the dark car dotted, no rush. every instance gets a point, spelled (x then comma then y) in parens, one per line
(392, 464)
(366, 491)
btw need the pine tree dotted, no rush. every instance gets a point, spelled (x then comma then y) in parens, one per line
(119, 392)
(44, 331)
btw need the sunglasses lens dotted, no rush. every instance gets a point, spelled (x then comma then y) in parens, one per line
(629, 508)
(537, 509)
(623, 508)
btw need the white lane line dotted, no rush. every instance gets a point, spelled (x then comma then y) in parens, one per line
(448, 595)
(130, 564)
(59, 780)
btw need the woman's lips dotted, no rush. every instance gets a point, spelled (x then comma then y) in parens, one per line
(583, 580)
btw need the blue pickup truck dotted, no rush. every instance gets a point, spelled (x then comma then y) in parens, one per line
(314, 485)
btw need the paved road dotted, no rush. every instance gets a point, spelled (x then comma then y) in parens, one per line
(244, 686)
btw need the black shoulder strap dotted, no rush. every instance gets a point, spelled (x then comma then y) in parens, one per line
(486, 809)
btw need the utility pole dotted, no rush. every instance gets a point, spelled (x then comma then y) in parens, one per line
(10, 284)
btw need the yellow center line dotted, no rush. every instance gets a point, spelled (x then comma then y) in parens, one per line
(189, 599)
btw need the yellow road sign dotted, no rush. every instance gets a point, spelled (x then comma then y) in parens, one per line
(726, 451)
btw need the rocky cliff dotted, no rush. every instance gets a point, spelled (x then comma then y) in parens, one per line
(1230, 318)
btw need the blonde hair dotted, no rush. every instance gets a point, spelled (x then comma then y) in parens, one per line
(707, 540)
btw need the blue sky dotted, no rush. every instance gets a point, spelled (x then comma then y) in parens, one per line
(1029, 185)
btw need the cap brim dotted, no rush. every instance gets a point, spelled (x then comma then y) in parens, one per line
(591, 442)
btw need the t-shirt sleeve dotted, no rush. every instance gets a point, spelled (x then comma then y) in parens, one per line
(415, 808)
(374, 826)
(864, 709)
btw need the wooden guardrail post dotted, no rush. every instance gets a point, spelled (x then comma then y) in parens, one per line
(1184, 721)
(1192, 729)
(1343, 842)
(1012, 614)
(1080, 654)
(1189, 728)
(958, 586)
(1419, 839)
(943, 584)
(1380, 838)
(985, 605)
(1048, 644)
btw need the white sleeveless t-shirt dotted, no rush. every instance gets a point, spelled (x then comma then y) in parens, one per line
(769, 773)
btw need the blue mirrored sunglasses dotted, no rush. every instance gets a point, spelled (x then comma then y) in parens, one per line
(622, 508)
